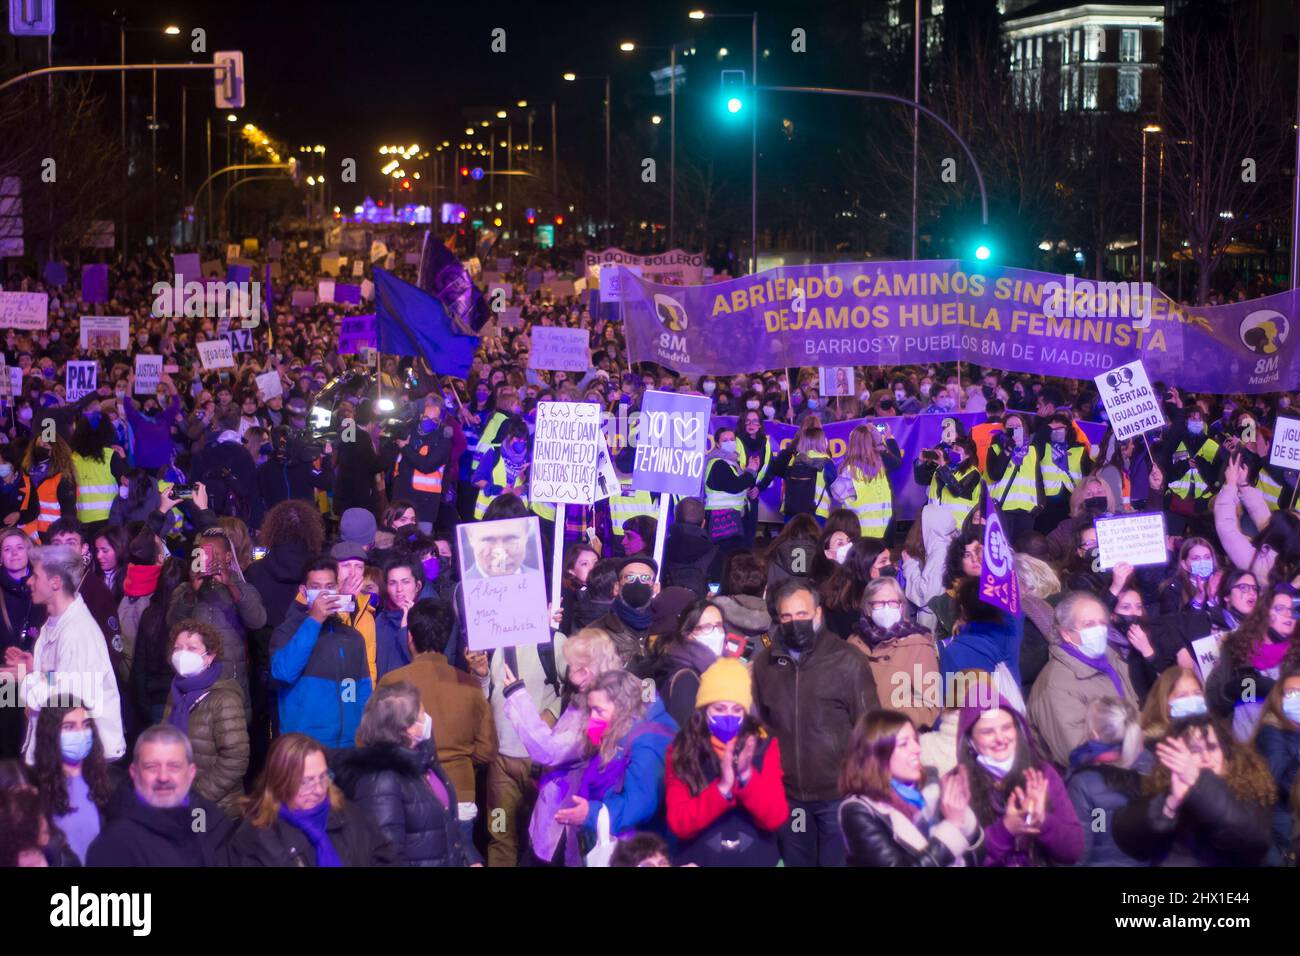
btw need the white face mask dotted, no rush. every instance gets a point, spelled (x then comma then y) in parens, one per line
(713, 639)
(426, 727)
(999, 768)
(886, 617)
(187, 663)
(1092, 640)
(842, 552)
(1191, 706)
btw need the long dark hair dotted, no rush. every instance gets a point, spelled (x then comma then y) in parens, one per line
(988, 794)
(843, 590)
(138, 483)
(695, 762)
(153, 647)
(1282, 536)
(952, 571)
(50, 777)
(1243, 640)
(89, 440)
(865, 771)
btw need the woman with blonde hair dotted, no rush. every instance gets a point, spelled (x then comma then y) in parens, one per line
(297, 817)
(863, 483)
(1177, 693)
(557, 749)
(1105, 774)
(1091, 498)
(806, 472)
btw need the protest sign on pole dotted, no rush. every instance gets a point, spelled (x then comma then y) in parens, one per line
(1286, 444)
(1137, 539)
(503, 583)
(672, 435)
(81, 379)
(1131, 405)
(837, 381)
(566, 445)
(607, 483)
(216, 354)
(24, 310)
(240, 339)
(105, 332)
(559, 349)
(357, 332)
(999, 585)
(148, 372)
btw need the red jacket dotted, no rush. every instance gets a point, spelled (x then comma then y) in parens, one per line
(763, 798)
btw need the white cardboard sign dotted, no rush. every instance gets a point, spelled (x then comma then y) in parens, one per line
(503, 583)
(268, 383)
(1286, 444)
(566, 446)
(1131, 404)
(24, 310)
(1131, 539)
(148, 372)
(559, 349)
(216, 354)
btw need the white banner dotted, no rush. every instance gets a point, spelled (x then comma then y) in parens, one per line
(675, 267)
(566, 443)
(557, 349)
(1138, 540)
(1131, 405)
(24, 310)
(216, 354)
(105, 332)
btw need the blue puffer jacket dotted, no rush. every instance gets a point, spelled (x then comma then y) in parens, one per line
(983, 645)
(638, 802)
(322, 677)
(391, 648)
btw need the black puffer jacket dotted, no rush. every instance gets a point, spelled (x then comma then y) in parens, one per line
(355, 837)
(812, 705)
(690, 557)
(877, 835)
(1213, 827)
(277, 576)
(389, 784)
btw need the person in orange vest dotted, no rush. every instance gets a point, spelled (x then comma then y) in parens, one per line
(983, 433)
(49, 487)
(423, 462)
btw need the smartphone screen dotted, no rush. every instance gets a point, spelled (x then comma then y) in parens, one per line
(259, 554)
(713, 588)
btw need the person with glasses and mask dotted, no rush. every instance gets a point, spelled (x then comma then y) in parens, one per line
(630, 616)
(297, 817)
(682, 657)
(809, 671)
(900, 652)
(1251, 659)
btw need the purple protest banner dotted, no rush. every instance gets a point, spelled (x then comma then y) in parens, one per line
(94, 282)
(345, 294)
(56, 273)
(673, 434)
(899, 313)
(187, 265)
(303, 299)
(357, 332)
(238, 273)
(999, 585)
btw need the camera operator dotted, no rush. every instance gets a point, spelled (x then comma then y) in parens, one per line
(424, 456)
(294, 469)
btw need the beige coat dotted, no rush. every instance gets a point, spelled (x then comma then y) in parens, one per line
(1058, 702)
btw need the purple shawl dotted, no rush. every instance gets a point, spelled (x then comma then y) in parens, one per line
(186, 692)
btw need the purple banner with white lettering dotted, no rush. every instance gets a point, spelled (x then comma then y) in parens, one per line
(899, 313)
(999, 585)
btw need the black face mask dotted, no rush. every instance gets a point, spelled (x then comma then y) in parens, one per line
(1124, 621)
(798, 635)
(1095, 505)
(889, 572)
(637, 594)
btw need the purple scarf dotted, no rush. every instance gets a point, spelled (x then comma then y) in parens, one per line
(1097, 663)
(186, 692)
(313, 823)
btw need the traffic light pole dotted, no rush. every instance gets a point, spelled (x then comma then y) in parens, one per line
(112, 68)
(870, 95)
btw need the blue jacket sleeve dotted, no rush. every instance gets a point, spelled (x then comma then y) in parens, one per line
(390, 641)
(1272, 746)
(643, 788)
(484, 472)
(288, 662)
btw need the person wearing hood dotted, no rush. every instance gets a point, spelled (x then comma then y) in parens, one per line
(1105, 773)
(1207, 803)
(810, 688)
(727, 482)
(900, 653)
(1082, 666)
(1018, 798)
(682, 656)
(740, 598)
(691, 559)
(630, 615)
(894, 813)
(424, 458)
(504, 468)
(151, 424)
(627, 743)
(724, 792)
(923, 574)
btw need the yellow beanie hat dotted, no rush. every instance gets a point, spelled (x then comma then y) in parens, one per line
(725, 679)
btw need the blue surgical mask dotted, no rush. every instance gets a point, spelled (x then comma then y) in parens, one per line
(1181, 707)
(729, 446)
(76, 744)
(709, 387)
(725, 726)
(1202, 567)
(812, 403)
(1195, 426)
(1291, 707)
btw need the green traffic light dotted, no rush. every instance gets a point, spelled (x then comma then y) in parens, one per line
(983, 252)
(735, 105)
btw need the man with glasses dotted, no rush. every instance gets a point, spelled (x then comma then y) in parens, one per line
(630, 616)
(166, 824)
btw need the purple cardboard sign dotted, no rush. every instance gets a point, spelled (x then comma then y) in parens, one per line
(187, 265)
(356, 333)
(345, 294)
(999, 585)
(673, 434)
(94, 283)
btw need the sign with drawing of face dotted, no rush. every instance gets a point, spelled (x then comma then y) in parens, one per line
(504, 583)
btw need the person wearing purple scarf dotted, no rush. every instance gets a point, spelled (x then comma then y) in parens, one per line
(1081, 667)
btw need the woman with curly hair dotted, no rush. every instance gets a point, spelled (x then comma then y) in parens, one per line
(1250, 660)
(1278, 741)
(1208, 803)
(293, 533)
(72, 773)
(965, 556)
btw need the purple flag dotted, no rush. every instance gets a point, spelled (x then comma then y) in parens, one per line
(999, 585)
(357, 331)
(444, 277)
(94, 283)
(56, 273)
(187, 264)
(237, 273)
(345, 294)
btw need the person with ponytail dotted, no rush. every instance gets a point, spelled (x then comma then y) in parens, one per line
(895, 812)
(72, 774)
(725, 792)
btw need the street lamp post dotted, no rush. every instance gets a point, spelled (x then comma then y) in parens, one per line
(1142, 214)
(753, 127)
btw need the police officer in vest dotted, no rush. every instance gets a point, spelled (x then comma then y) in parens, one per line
(754, 443)
(423, 461)
(726, 490)
(948, 471)
(1063, 462)
(1013, 476)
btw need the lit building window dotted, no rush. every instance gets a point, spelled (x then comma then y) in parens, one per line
(1092, 43)
(892, 15)
(1130, 46)
(1129, 96)
(1089, 98)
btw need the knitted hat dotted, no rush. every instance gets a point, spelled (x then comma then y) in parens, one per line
(358, 526)
(727, 678)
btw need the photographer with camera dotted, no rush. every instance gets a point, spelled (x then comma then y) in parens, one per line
(295, 469)
(423, 461)
(949, 471)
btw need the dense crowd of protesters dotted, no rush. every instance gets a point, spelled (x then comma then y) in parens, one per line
(246, 607)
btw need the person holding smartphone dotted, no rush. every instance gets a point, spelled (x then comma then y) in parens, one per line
(319, 662)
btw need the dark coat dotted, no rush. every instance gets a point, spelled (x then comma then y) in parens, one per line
(676, 674)
(389, 784)
(1213, 827)
(230, 476)
(879, 835)
(427, 453)
(218, 734)
(356, 838)
(1107, 788)
(812, 706)
(690, 557)
(1281, 751)
(356, 465)
(277, 577)
(141, 835)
